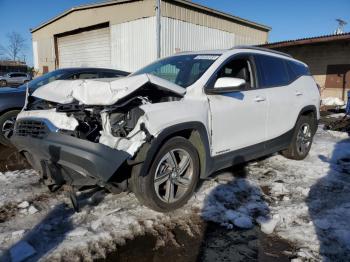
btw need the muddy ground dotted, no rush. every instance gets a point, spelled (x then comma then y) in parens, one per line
(211, 243)
(11, 160)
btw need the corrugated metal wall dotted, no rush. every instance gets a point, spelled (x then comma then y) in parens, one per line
(181, 36)
(133, 44)
(86, 49)
(245, 34)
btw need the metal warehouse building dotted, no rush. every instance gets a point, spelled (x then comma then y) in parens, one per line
(128, 34)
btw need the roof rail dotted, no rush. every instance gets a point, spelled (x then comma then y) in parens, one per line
(260, 49)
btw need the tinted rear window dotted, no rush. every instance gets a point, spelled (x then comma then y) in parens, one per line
(296, 70)
(272, 71)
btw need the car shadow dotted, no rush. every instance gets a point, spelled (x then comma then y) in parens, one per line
(232, 233)
(329, 205)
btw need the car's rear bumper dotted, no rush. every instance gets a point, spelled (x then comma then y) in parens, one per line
(67, 159)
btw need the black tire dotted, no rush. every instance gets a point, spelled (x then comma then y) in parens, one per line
(300, 145)
(3, 83)
(5, 120)
(144, 186)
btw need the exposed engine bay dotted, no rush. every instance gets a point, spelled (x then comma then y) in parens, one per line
(83, 108)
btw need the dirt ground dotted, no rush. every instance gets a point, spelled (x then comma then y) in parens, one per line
(211, 243)
(11, 160)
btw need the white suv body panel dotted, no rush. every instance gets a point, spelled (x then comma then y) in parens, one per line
(232, 121)
(238, 120)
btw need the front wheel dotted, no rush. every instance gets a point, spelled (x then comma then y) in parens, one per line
(172, 177)
(302, 139)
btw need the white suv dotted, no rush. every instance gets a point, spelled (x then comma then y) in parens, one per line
(179, 119)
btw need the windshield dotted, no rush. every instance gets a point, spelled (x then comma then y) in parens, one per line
(182, 70)
(45, 79)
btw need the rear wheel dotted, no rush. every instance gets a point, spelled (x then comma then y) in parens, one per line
(172, 177)
(7, 122)
(302, 139)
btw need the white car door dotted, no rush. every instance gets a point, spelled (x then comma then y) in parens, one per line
(238, 118)
(281, 93)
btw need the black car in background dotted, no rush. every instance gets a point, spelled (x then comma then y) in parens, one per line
(12, 99)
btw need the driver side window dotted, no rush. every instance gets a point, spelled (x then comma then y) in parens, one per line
(240, 67)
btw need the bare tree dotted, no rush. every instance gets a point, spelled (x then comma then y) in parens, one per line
(16, 44)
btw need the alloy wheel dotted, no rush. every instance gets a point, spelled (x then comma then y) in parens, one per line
(304, 138)
(174, 175)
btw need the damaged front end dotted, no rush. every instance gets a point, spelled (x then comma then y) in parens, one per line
(81, 132)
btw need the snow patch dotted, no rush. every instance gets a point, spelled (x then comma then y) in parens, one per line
(332, 101)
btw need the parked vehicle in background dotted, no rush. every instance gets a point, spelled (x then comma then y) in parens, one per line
(171, 123)
(15, 78)
(12, 99)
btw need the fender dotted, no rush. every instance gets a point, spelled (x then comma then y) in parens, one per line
(308, 108)
(305, 110)
(148, 151)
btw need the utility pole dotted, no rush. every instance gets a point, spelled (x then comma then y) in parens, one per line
(158, 29)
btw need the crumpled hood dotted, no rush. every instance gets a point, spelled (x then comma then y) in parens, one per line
(99, 92)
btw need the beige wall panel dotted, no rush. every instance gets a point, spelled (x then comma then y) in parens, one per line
(46, 53)
(114, 14)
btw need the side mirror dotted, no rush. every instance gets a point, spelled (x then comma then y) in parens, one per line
(226, 85)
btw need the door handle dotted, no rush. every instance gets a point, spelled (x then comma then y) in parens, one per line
(259, 99)
(297, 93)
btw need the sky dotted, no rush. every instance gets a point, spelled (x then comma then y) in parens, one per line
(288, 19)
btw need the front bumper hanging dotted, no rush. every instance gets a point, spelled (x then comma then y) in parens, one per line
(69, 159)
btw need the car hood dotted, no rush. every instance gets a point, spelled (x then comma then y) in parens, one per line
(102, 92)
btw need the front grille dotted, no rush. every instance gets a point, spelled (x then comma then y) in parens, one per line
(33, 128)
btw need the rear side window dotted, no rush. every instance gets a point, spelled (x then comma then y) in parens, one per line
(296, 70)
(272, 71)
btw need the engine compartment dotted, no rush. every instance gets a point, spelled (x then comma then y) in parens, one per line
(118, 120)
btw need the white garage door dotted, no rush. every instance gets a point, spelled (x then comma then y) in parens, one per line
(86, 49)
